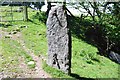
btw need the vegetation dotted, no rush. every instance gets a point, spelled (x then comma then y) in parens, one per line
(105, 24)
(85, 60)
(12, 57)
(13, 48)
(55, 72)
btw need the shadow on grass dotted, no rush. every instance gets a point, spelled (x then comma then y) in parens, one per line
(33, 22)
(76, 76)
(92, 33)
(5, 25)
(80, 28)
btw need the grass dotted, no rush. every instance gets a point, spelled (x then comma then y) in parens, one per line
(55, 73)
(11, 50)
(85, 60)
(8, 13)
(10, 55)
(37, 39)
(87, 63)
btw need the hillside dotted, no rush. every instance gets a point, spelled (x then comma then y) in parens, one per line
(17, 36)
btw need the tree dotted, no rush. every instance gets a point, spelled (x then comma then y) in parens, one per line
(105, 19)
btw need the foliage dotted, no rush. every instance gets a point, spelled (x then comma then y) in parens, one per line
(41, 16)
(111, 27)
(37, 5)
(105, 23)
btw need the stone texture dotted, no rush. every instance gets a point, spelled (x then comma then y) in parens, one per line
(59, 39)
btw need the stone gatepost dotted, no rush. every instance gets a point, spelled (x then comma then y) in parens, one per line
(59, 40)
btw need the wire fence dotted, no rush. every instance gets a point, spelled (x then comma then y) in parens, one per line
(11, 13)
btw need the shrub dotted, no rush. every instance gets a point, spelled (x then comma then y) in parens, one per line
(41, 16)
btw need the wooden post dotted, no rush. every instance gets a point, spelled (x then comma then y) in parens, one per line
(11, 13)
(25, 12)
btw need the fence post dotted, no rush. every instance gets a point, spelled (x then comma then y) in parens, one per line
(25, 12)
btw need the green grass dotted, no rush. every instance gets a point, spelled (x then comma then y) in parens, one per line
(55, 73)
(87, 63)
(12, 49)
(10, 55)
(85, 60)
(10, 14)
(34, 35)
(37, 38)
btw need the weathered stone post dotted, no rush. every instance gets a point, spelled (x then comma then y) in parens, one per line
(59, 39)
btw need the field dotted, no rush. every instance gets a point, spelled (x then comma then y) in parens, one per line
(86, 63)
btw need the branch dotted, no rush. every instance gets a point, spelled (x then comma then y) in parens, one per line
(69, 12)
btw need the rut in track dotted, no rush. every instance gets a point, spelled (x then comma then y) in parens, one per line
(38, 60)
(38, 72)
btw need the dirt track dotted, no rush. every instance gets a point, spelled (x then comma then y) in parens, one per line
(38, 72)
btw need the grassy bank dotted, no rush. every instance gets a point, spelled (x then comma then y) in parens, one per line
(85, 60)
